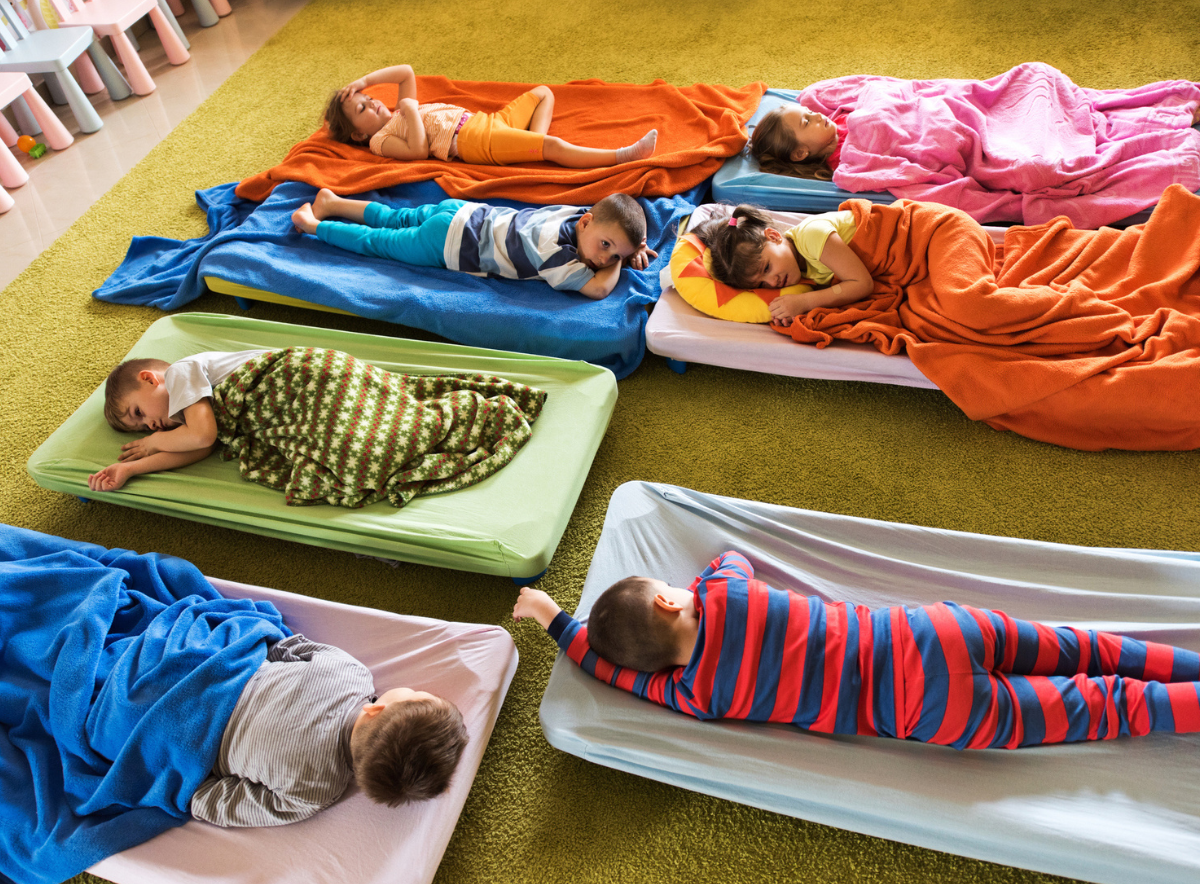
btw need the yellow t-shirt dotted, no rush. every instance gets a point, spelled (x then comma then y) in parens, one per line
(809, 238)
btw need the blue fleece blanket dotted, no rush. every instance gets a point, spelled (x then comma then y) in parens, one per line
(118, 674)
(255, 244)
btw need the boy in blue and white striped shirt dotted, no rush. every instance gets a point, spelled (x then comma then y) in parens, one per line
(571, 248)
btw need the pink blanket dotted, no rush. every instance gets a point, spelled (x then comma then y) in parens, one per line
(1025, 146)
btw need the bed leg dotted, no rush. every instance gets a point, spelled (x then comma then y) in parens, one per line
(525, 581)
(677, 366)
(244, 303)
(84, 499)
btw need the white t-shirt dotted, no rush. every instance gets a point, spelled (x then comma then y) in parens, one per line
(192, 378)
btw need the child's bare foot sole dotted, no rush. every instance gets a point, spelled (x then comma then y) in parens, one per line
(641, 149)
(304, 219)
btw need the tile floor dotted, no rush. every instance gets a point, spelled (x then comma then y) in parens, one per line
(63, 184)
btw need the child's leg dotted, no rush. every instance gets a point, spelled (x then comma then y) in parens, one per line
(328, 204)
(575, 157)
(1023, 647)
(423, 244)
(543, 114)
(1070, 684)
(516, 134)
(1061, 709)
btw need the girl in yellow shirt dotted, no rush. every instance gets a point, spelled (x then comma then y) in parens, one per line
(748, 252)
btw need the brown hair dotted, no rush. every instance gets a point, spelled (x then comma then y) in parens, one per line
(772, 143)
(735, 252)
(340, 127)
(409, 751)
(623, 628)
(624, 211)
(122, 381)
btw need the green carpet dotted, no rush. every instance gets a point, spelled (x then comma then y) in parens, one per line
(868, 450)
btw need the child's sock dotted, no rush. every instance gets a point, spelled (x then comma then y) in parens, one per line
(640, 149)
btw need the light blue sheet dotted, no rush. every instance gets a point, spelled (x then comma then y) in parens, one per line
(1114, 812)
(741, 180)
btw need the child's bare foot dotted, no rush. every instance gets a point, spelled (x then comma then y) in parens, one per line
(640, 149)
(305, 220)
(323, 205)
(1196, 116)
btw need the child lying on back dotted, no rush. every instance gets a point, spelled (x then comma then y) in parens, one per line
(570, 248)
(730, 646)
(411, 131)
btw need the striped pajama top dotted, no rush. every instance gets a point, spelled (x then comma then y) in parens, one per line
(285, 753)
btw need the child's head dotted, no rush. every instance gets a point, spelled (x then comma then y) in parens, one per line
(613, 230)
(791, 140)
(747, 252)
(135, 398)
(406, 745)
(355, 118)
(626, 626)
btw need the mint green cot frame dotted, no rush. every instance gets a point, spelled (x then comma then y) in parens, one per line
(507, 525)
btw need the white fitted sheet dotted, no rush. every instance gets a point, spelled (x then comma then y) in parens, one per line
(678, 331)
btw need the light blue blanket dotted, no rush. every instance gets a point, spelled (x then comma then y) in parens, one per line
(118, 674)
(256, 245)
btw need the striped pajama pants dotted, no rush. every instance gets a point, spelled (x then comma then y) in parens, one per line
(973, 679)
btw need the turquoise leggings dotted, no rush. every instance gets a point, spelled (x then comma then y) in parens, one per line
(414, 236)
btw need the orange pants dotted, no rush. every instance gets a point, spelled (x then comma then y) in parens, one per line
(502, 138)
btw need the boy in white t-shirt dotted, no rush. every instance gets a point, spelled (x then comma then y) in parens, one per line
(173, 402)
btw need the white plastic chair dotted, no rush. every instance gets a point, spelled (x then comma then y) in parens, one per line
(49, 53)
(112, 18)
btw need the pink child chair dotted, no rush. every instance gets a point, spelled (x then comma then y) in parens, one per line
(12, 88)
(207, 11)
(112, 18)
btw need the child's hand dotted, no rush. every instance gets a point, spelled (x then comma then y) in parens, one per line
(786, 307)
(137, 449)
(536, 604)
(110, 478)
(350, 88)
(641, 259)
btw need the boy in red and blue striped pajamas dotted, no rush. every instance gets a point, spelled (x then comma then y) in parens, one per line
(730, 646)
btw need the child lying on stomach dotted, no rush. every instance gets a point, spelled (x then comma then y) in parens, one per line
(308, 722)
(730, 646)
(319, 425)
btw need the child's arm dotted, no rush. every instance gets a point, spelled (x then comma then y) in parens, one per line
(601, 285)
(855, 284)
(400, 74)
(113, 477)
(536, 604)
(415, 143)
(199, 431)
(571, 636)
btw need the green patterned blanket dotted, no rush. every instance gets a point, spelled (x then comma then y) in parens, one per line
(322, 426)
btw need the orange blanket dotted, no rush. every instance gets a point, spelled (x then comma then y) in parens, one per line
(1088, 339)
(698, 127)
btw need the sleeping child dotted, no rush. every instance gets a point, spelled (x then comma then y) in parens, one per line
(1024, 146)
(319, 425)
(411, 131)
(570, 248)
(307, 722)
(731, 646)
